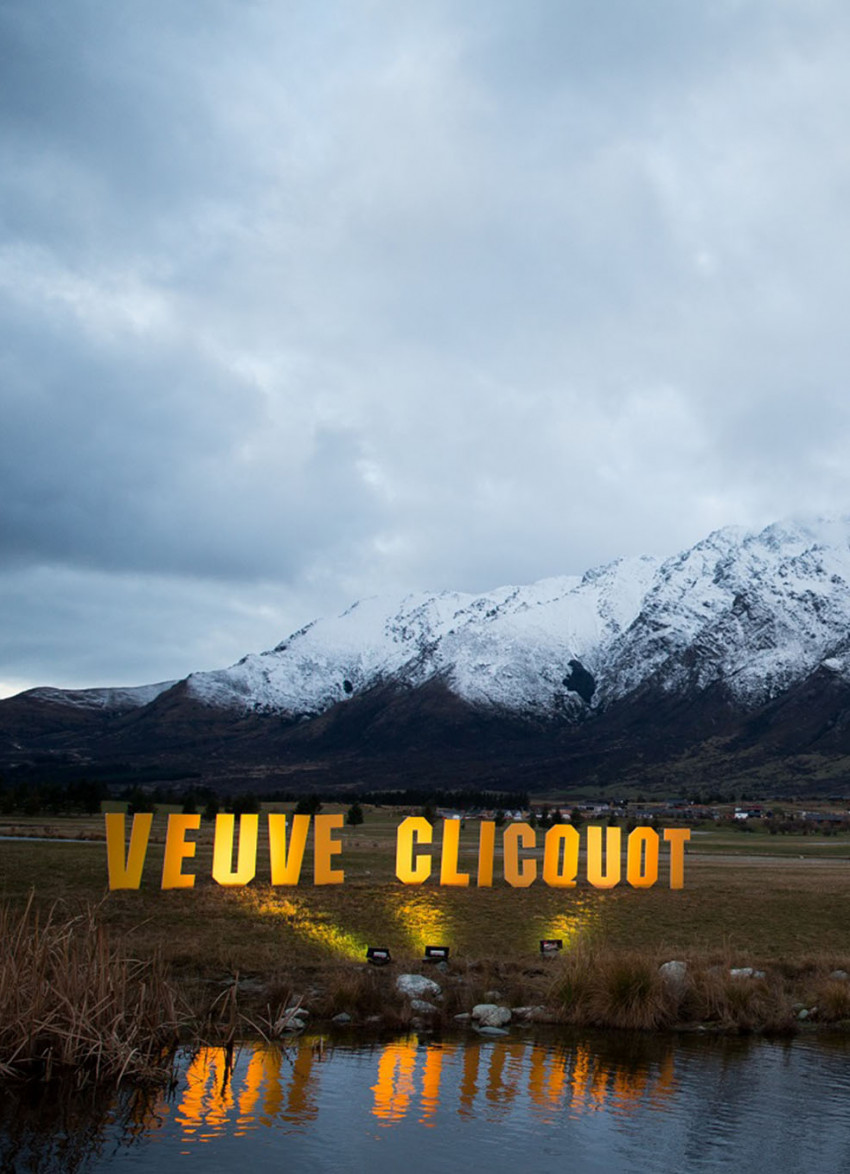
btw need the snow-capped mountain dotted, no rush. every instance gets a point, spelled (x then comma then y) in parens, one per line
(754, 612)
(511, 647)
(731, 658)
(106, 699)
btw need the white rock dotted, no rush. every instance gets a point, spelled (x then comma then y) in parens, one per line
(293, 1019)
(423, 1008)
(288, 1024)
(674, 974)
(491, 1015)
(839, 975)
(417, 986)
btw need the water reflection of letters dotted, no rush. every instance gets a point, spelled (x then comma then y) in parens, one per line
(491, 1077)
(404, 1080)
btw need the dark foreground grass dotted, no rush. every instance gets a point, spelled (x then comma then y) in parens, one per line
(74, 1004)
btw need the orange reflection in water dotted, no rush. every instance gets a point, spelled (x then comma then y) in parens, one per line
(394, 1086)
(597, 1085)
(276, 1085)
(497, 1077)
(431, 1085)
(549, 1079)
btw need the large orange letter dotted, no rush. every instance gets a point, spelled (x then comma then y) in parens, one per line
(129, 875)
(642, 868)
(610, 876)
(677, 838)
(449, 874)
(246, 863)
(286, 866)
(415, 828)
(324, 847)
(177, 850)
(560, 833)
(519, 878)
(486, 847)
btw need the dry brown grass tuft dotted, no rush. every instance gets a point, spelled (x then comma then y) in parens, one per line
(832, 999)
(602, 988)
(72, 1003)
(614, 988)
(740, 1003)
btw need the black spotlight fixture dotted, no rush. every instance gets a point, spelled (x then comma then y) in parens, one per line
(378, 955)
(550, 946)
(436, 954)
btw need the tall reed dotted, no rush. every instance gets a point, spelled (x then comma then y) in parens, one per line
(72, 1003)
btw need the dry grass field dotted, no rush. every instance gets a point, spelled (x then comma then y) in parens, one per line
(758, 898)
(228, 960)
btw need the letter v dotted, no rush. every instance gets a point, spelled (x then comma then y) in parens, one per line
(126, 875)
(286, 866)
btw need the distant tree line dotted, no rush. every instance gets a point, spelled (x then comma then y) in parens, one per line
(81, 796)
(84, 796)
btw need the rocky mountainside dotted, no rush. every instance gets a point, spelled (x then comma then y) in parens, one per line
(731, 659)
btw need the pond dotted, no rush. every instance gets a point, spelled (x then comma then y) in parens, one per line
(577, 1102)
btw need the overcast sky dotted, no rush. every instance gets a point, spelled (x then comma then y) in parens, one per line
(302, 301)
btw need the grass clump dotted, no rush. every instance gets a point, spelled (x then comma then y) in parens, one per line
(832, 1000)
(603, 988)
(741, 1003)
(72, 1004)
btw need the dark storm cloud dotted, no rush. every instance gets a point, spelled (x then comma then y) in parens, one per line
(303, 302)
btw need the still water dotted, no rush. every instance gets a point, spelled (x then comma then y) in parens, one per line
(577, 1103)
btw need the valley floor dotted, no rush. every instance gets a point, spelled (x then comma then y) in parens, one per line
(777, 905)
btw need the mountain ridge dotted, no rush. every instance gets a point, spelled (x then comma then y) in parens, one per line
(639, 667)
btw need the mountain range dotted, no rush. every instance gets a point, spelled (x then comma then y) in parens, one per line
(726, 666)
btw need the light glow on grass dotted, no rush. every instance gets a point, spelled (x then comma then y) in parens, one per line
(423, 921)
(309, 924)
(570, 926)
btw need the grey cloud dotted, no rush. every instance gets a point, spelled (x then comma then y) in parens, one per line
(74, 627)
(307, 302)
(157, 461)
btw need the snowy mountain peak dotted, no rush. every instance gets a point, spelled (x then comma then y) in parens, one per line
(750, 610)
(738, 646)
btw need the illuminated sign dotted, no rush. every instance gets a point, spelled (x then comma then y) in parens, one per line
(560, 863)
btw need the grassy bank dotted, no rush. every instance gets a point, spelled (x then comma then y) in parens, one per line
(72, 1003)
(238, 957)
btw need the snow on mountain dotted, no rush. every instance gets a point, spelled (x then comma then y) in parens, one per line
(754, 611)
(509, 647)
(117, 698)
